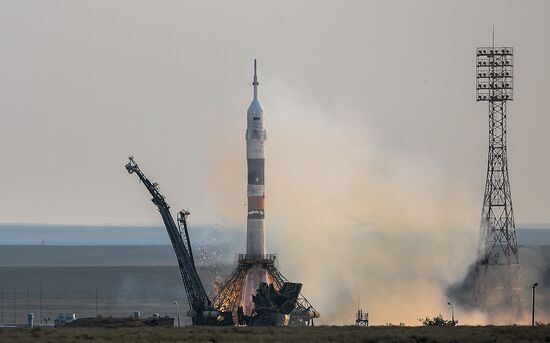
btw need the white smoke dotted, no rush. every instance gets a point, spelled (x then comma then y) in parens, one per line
(348, 217)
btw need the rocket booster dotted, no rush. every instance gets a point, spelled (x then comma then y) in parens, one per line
(255, 156)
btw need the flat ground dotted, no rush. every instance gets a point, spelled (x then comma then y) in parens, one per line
(315, 334)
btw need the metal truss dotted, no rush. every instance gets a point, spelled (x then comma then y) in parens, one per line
(229, 295)
(498, 273)
(498, 240)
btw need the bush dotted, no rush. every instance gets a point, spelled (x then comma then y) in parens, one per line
(437, 321)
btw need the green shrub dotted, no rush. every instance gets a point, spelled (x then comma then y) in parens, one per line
(437, 321)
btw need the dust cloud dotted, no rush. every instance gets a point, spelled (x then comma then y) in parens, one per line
(348, 217)
(503, 292)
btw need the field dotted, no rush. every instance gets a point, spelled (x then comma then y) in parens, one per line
(315, 334)
(121, 291)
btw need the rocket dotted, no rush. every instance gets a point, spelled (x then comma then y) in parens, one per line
(255, 157)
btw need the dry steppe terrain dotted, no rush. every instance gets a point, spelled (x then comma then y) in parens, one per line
(309, 334)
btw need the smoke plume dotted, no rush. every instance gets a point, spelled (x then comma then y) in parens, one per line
(348, 217)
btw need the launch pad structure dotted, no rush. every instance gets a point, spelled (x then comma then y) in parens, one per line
(230, 292)
(498, 273)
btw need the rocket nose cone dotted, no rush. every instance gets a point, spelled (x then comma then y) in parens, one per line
(255, 107)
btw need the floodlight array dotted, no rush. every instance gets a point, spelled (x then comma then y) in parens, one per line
(494, 73)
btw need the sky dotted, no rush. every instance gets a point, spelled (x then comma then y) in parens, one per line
(85, 84)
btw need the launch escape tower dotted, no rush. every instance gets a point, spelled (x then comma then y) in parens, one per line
(498, 273)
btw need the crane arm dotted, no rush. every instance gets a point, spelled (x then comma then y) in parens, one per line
(196, 295)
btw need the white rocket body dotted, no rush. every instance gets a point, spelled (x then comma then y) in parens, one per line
(255, 156)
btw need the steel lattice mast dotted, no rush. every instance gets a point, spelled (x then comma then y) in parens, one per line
(498, 272)
(498, 242)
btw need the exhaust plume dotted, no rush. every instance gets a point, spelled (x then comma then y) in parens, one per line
(348, 217)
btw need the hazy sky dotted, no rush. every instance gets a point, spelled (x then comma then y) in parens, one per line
(84, 84)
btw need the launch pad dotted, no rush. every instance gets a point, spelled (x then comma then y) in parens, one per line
(267, 308)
